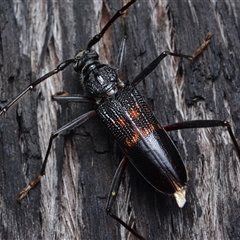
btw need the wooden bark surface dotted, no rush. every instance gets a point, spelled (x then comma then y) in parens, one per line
(70, 201)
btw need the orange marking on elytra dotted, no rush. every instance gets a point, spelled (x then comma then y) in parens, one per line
(121, 121)
(147, 130)
(134, 113)
(133, 139)
(151, 126)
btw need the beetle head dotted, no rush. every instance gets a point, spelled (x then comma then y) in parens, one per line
(84, 58)
(99, 80)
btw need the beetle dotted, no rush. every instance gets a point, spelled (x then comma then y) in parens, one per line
(139, 134)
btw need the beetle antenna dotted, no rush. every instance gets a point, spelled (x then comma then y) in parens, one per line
(119, 13)
(30, 87)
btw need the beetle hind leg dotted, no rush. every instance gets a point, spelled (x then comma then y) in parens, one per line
(206, 124)
(113, 194)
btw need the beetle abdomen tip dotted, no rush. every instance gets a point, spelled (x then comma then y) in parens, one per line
(180, 197)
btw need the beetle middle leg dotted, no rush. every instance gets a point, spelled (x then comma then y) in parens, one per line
(61, 131)
(64, 97)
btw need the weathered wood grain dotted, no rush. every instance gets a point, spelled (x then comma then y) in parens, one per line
(70, 201)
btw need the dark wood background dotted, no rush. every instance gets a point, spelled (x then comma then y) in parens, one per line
(70, 201)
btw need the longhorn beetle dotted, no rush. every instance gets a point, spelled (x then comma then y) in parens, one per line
(145, 143)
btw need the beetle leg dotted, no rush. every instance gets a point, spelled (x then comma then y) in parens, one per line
(121, 57)
(205, 124)
(65, 97)
(122, 50)
(146, 71)
(116, 183)
(69, 126)
(113, 194)
(30, 87)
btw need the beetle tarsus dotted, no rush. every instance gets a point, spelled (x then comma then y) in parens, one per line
(130, 229)
(29, 187)
(201, 48)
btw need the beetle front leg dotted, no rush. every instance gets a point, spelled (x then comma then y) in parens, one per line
(113, 194)
(61, 131)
